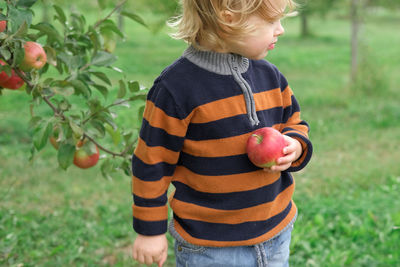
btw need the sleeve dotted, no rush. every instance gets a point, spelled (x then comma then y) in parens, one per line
(295, 127)
(153, 163)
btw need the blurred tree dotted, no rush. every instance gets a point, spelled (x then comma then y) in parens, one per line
(308, 8)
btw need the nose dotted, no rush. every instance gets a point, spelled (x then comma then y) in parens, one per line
(279, 30)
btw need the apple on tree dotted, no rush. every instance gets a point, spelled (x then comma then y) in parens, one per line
(265, 146)
(3, 25)
(86, 155)
(35, 57)
(12, 82)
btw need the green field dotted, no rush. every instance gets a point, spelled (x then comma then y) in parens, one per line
(348, 196)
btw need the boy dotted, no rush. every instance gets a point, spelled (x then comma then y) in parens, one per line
(198, 117)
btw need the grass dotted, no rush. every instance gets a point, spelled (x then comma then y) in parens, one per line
(347, 197)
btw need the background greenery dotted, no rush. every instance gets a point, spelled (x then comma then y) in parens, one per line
(349, 209)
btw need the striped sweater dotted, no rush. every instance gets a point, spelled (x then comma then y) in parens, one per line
(198, 117)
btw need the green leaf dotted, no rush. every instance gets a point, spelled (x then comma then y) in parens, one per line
(65, 155)
(115, 134)
(106, 117)
(109, 25)
(102, 76)
(99, 126)
(95, 38)
(134, 17)
(22, 30)
(122, 89)
(51, 55)
(19, 54)
(103, 58)
(102, 4)
(26, 3)
(102, 89)
(34, 122)
(78, 131)
(40, 138)
(17, 17)
(126, 167)
(7, 69)
(106, 168)
(49, 30)
(60, 14)
(5, 53)
(81, 88)
(134, 86)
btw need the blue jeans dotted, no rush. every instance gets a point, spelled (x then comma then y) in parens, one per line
(271, 253)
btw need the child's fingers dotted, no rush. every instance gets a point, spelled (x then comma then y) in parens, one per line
(163, 258)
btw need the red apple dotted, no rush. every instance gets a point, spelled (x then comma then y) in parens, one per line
(13, 83)
(35, 57)
(86, 155)
(265, 146)
(3, 75)
(3, 25)
(10, 82)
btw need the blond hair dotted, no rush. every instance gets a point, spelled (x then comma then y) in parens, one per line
(202, 20)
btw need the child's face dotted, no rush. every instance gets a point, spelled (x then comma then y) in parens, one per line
(256, 44)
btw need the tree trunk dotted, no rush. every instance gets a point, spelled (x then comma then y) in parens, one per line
(305, 31)
(355, 29)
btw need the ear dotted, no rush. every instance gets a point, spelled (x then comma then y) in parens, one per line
(227, 17)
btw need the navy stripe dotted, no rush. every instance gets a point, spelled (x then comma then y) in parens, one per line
(154, 136)
(163, 99)
(217, 165)
(232, 126)
(149, 227)
(288, 129)
(235, 200)
(150, 202)
(153, 172)
(231, 232)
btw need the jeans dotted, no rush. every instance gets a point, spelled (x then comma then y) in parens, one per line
(271, 253)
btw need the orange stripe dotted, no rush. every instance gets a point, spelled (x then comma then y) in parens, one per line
(155, 154)
(235, 105)
(268, 99)
(287, 97)
(150, 189)
(220, 109)
(257, 213)
(150, 213)
(158, 118)
(249, 242)
(225, 183)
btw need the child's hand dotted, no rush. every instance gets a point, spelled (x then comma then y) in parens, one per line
(150, 249)
(292, 152)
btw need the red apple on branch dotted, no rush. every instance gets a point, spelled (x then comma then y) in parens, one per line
(12, 82)
(35, 57)
(265, 146)
(3, 25)
(86, 155)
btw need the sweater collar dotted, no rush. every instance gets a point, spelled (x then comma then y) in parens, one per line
(220, 63)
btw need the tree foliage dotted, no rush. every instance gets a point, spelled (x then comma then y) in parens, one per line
(77, 67)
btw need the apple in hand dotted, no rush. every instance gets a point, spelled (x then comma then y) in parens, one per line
(265, 146)
(3, 25)
(35, 57)
(86, 155)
